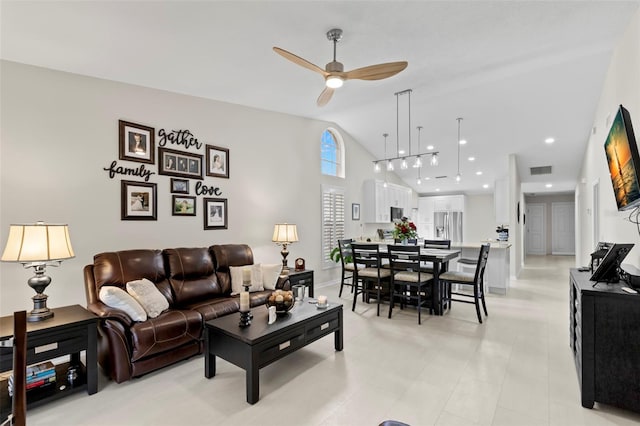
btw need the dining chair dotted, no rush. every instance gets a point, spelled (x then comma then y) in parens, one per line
(411, 241)
(408, 283)
(469, 279)
(369, 277)
(347, 264)
(18, 415)
(434, 244)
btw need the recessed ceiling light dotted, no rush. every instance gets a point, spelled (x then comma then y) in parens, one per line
(437, 189)
(463, 142)
(478, 172)
(548, 185)
(486, 185)
(401, 152)
(429, 147)
(549, 140)
(472, 158)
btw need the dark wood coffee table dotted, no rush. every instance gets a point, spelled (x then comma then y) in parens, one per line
(260, 344)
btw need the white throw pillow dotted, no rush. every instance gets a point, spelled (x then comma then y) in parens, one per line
(270, 275)
(117, 298)
(248, 273)
(148, 295)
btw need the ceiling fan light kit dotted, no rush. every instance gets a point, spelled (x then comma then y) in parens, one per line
(334, 74)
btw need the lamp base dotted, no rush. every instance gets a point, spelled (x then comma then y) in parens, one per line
(40, 311)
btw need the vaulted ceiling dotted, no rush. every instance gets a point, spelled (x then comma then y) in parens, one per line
(516, 72)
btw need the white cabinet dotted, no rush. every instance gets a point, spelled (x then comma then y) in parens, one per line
(425, 214)
(449, 203)
(379, 199)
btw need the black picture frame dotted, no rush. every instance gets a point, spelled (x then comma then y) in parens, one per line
(217, 161)
(138, 201)
(215, 213)
(179, 186)
(179, 163)
(136, 142)
(183, 205)
(355, 211)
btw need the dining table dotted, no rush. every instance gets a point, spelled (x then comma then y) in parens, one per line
(440, 259)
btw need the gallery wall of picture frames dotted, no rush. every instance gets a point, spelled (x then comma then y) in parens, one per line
(139, 199)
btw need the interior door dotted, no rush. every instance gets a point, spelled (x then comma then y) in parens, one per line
(536, 229)
(563, 228)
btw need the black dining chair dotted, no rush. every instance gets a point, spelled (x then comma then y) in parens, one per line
(475, 280)
(434, 244)
(409, 284)
(347, 264)
(369, 277)
(411, 241)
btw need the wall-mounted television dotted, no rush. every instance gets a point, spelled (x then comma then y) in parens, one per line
(396, 213)
(623, 161)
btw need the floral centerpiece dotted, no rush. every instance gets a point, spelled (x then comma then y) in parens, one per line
(404, 229)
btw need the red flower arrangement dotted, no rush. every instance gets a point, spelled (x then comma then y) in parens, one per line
(404, 229)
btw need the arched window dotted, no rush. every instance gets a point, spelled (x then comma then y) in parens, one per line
(332, 153)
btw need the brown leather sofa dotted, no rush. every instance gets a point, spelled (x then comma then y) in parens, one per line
(197, 285)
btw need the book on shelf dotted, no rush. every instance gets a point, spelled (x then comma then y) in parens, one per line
(37, 376)
(39, 369)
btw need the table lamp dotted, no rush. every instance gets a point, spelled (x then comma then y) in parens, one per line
(37, 246)
(283, 234)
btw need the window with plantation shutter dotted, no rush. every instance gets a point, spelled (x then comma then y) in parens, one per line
(332, 221)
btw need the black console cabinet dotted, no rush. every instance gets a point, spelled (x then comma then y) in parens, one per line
(605, 339)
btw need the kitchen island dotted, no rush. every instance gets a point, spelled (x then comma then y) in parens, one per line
(496, 274)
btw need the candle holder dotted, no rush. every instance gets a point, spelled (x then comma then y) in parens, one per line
(246, 288)
(245, 319)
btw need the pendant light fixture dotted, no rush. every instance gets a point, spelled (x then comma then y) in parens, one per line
(400, 155)
(458, 177)
(418, 162)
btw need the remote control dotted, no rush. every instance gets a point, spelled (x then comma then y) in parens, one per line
(629, 290)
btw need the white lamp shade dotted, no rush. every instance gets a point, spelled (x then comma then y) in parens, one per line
(38, 243)
(285, 233)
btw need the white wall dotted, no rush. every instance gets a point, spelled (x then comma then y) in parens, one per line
(621, 86)
(60, 130)
(480, 223)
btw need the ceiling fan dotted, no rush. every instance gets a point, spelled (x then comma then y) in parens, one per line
(334, 74)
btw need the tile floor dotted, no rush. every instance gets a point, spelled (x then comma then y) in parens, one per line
(515, 369)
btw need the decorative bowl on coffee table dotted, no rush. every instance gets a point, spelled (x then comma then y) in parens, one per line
(283, 300)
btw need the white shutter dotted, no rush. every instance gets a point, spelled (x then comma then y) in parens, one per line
(332, 220)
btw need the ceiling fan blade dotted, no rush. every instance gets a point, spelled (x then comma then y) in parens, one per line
(325, 96)
(298, 60)
(376, 72)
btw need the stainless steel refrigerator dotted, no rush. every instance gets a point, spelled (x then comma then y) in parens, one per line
(448, 226)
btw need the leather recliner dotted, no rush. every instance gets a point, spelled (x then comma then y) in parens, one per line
(195, 281)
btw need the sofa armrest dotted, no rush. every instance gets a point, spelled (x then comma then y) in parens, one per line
(283, 283)
(105, 312)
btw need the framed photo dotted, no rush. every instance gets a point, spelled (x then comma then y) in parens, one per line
(139, 201)
(137, 142)
(183, 205)
(215, 213)
(217, 161)
(179, 186)
(355, 211)
(179, 163)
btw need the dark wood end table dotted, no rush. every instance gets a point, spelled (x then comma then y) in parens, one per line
(72, 330)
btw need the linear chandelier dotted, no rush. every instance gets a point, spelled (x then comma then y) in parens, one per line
(404, 157)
